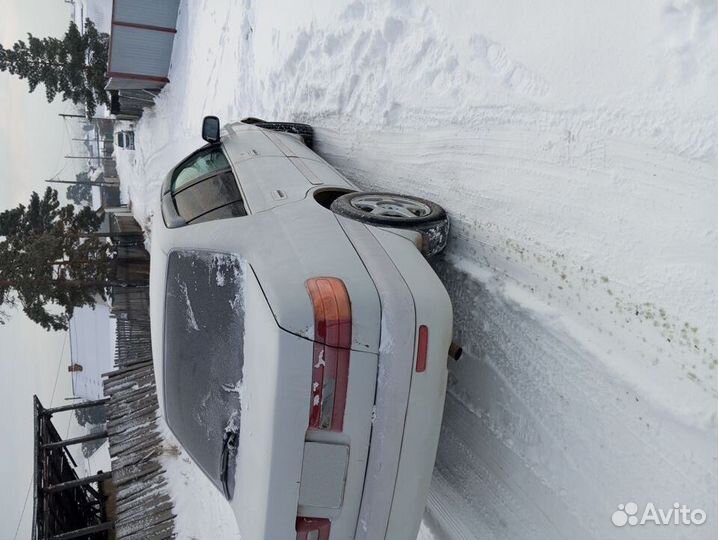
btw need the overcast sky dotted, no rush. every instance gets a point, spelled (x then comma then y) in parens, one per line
(33, 140)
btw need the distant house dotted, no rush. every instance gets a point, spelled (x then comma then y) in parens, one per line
(91, 349)
(105, 195)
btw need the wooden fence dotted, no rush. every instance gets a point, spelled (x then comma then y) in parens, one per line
(144, 508)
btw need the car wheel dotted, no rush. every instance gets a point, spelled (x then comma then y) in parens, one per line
(305, 131)
(399, 211)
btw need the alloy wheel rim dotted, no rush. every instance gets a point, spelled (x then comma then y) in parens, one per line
(391, 206)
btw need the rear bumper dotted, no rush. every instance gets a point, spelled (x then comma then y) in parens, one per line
(409, 404)
(426, 403)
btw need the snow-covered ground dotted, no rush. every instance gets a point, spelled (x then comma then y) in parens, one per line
(574, 147)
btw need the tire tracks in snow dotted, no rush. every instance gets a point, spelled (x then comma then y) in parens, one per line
(543, 433)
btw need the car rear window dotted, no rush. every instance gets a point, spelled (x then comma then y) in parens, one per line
(203, 353)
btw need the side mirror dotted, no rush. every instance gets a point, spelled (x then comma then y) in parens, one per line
(210, 129)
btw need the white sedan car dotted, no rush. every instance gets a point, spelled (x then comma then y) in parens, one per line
(300, 337)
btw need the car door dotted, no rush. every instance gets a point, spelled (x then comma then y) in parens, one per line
(317, 171)
(267, 175)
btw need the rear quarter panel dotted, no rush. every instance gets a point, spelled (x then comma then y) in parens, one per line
(275, 168)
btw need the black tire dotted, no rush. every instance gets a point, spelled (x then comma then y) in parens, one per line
(391, 209)
(305, 131)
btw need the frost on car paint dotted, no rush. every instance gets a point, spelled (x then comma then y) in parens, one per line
(203, 366)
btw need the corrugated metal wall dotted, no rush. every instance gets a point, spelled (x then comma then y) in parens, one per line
(161, 13)
(140, 52)
(141, 42)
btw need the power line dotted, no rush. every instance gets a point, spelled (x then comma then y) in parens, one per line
(66, 138)
(59, 364)
(29, 486)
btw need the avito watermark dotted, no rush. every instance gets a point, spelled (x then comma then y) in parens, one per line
(678, 514)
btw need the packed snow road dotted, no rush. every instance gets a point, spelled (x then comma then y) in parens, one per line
(575, 150)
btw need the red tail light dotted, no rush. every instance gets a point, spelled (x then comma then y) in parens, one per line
(421, 348)
(333, 337)
(313, 528)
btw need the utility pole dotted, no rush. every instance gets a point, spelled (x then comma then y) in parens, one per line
(64, 115)
(84, 182)
(89, 157)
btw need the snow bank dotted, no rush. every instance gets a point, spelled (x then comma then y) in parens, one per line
(201, 511)
(575, 150)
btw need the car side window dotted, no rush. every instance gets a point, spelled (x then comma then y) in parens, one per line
(201, 164)
(207, 195)
(203, 188)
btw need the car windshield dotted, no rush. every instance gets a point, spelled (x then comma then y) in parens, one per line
(203, 358)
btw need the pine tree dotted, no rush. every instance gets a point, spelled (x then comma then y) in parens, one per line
(50, 262)
(73, 67)
(80, 193)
